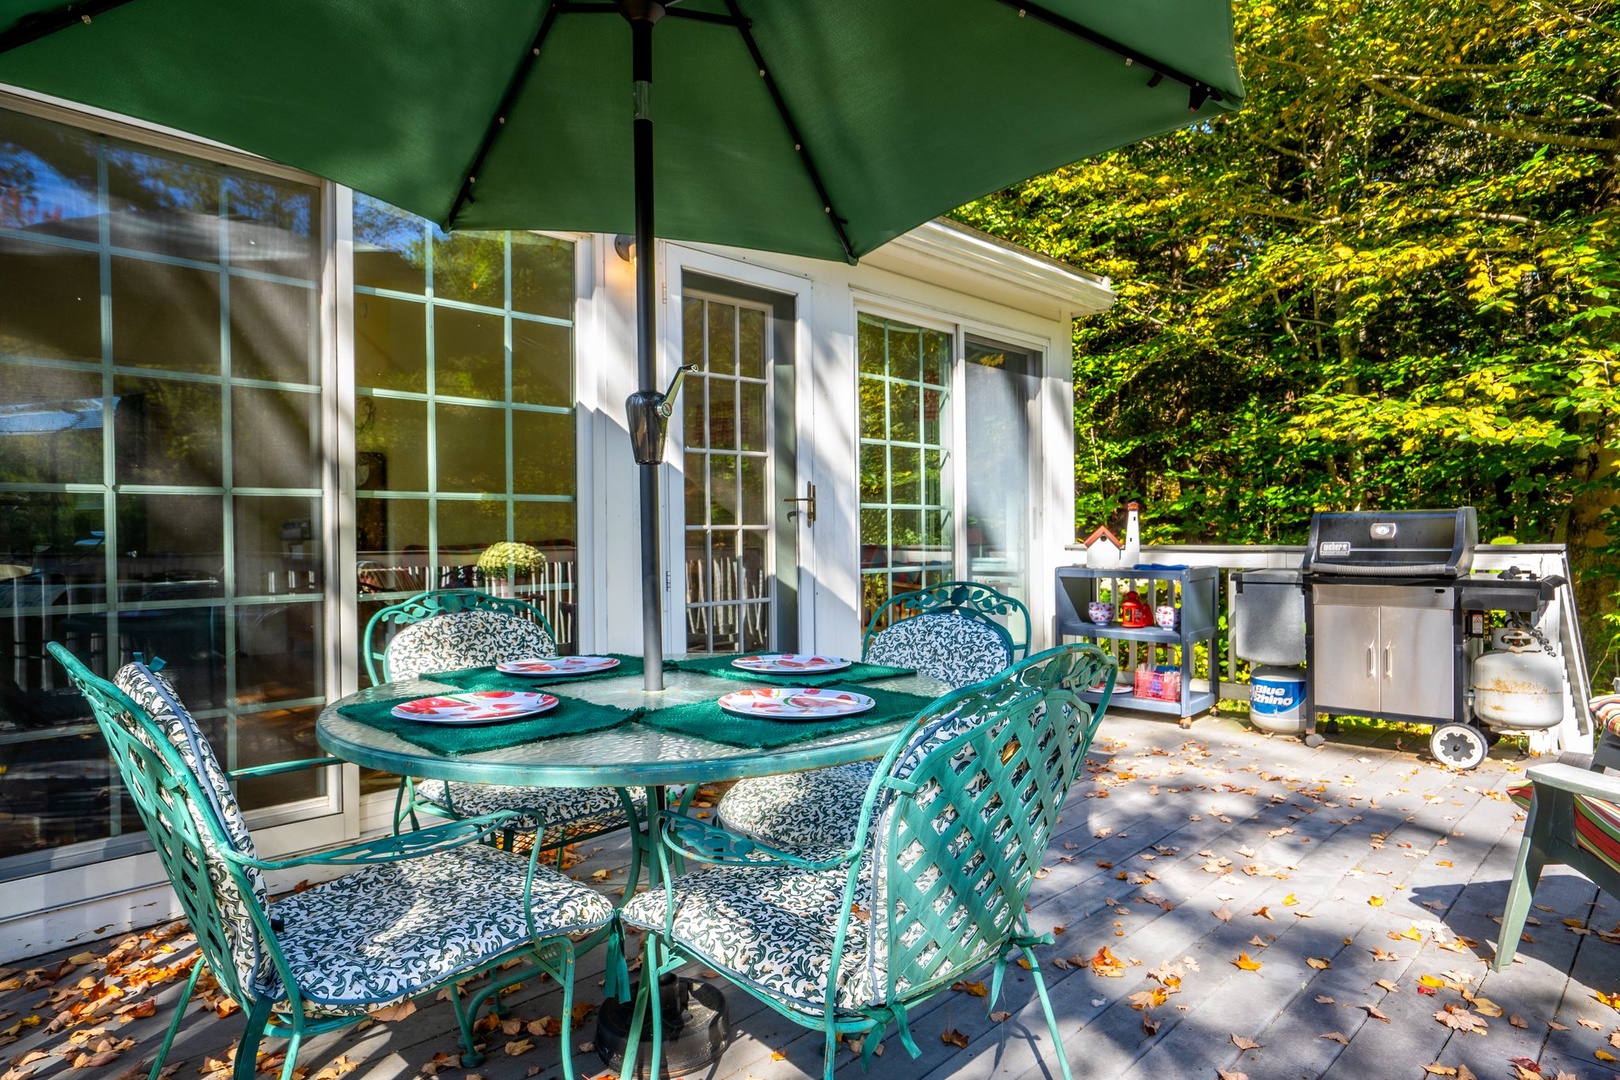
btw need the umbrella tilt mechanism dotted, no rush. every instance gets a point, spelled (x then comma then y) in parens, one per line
(649, 413)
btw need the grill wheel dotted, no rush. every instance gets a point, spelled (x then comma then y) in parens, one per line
(1461, 746)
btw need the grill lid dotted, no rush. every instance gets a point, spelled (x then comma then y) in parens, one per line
(1393, 543)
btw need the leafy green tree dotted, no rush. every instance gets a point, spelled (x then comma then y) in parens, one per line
(1387, 282)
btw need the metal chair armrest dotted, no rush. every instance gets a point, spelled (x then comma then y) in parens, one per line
(705, 843)
(279, 767)
(393, 847)
(1576, 780)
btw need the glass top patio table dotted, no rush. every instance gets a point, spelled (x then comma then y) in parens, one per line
(625, 755)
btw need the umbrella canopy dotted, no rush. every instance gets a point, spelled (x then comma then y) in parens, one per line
(767, 112)
(820, 129)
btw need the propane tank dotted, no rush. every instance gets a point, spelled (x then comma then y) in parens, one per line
(1517, 686)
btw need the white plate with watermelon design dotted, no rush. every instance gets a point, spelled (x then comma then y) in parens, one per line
(557, 666)
(475, 707)
(795, 703)
(786, 663)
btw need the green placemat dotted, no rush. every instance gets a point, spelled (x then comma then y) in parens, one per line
(487, 678)
(707, 720)
(571, 717)
(721, 666)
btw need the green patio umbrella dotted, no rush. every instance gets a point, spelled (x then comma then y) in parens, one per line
(820, 128)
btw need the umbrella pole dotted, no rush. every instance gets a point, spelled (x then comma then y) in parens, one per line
(642, 16)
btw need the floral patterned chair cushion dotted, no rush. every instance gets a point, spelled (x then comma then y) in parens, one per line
(566, 812)
(464, 639)
(953, 648)
(386, 932)
(155, 694)
(771, 927)
(820, 808)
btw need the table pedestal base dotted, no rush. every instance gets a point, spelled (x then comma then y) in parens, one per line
(696, 1025)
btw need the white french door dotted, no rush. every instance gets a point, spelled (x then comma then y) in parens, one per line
(734, 534)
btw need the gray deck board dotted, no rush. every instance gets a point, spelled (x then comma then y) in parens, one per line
(1217, 787)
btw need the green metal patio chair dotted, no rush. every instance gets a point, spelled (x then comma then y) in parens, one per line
(419, 912)
(946, 631)
(449, 629)
(966, 598)
(950, 835)
(1574, 820)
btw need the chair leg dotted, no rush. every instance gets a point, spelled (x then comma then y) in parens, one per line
(247, 1051)
(564, 974)
(638, 1014)
(293, 1043)
(830, 1050)
(174, 1024)
(1526, 874)
(650, 973)
(1046, 1007)
(470, 1057)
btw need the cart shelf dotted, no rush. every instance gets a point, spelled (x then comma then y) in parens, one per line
(1193, 589)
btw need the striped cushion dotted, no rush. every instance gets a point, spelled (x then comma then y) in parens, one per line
(1606, 713)
(1520, 794)
(1597, 829)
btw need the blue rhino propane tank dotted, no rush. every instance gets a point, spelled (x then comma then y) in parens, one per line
(1277, 699)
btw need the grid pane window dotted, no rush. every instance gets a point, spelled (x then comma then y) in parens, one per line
(905, 510)
(464, 413)
(728, 486)
(159, 441)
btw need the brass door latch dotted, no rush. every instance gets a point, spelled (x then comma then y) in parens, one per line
(809, 499)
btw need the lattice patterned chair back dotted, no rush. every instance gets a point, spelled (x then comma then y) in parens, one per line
(438, 631)
(963, 815)
(967, 598)
(191, 815)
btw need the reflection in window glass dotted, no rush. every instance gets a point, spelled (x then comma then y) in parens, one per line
(276, 438)
(906, 527)
(273, 331)
(390, 343)
(212, 276)
(999, 384)
(469, 353)
(52, 307)
(50, 425)
(441, 319)
(167, 431)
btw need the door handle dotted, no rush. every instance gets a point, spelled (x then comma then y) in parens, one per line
(1372, 668)
(1389, 662)
(809, 500)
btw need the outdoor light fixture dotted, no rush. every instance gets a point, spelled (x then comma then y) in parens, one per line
(649, 413)
(625, 245)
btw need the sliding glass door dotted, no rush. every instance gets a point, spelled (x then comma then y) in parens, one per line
(945, 449)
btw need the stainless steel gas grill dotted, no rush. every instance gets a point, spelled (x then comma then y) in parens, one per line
(1391, 617)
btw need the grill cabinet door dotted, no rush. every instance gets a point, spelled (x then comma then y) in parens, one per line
(1346, 654)
(1417, 654)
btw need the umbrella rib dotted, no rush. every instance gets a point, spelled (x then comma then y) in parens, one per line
(744, 27)
(695, 15)
(1198, 89)
(491, 133)
(31, 28)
